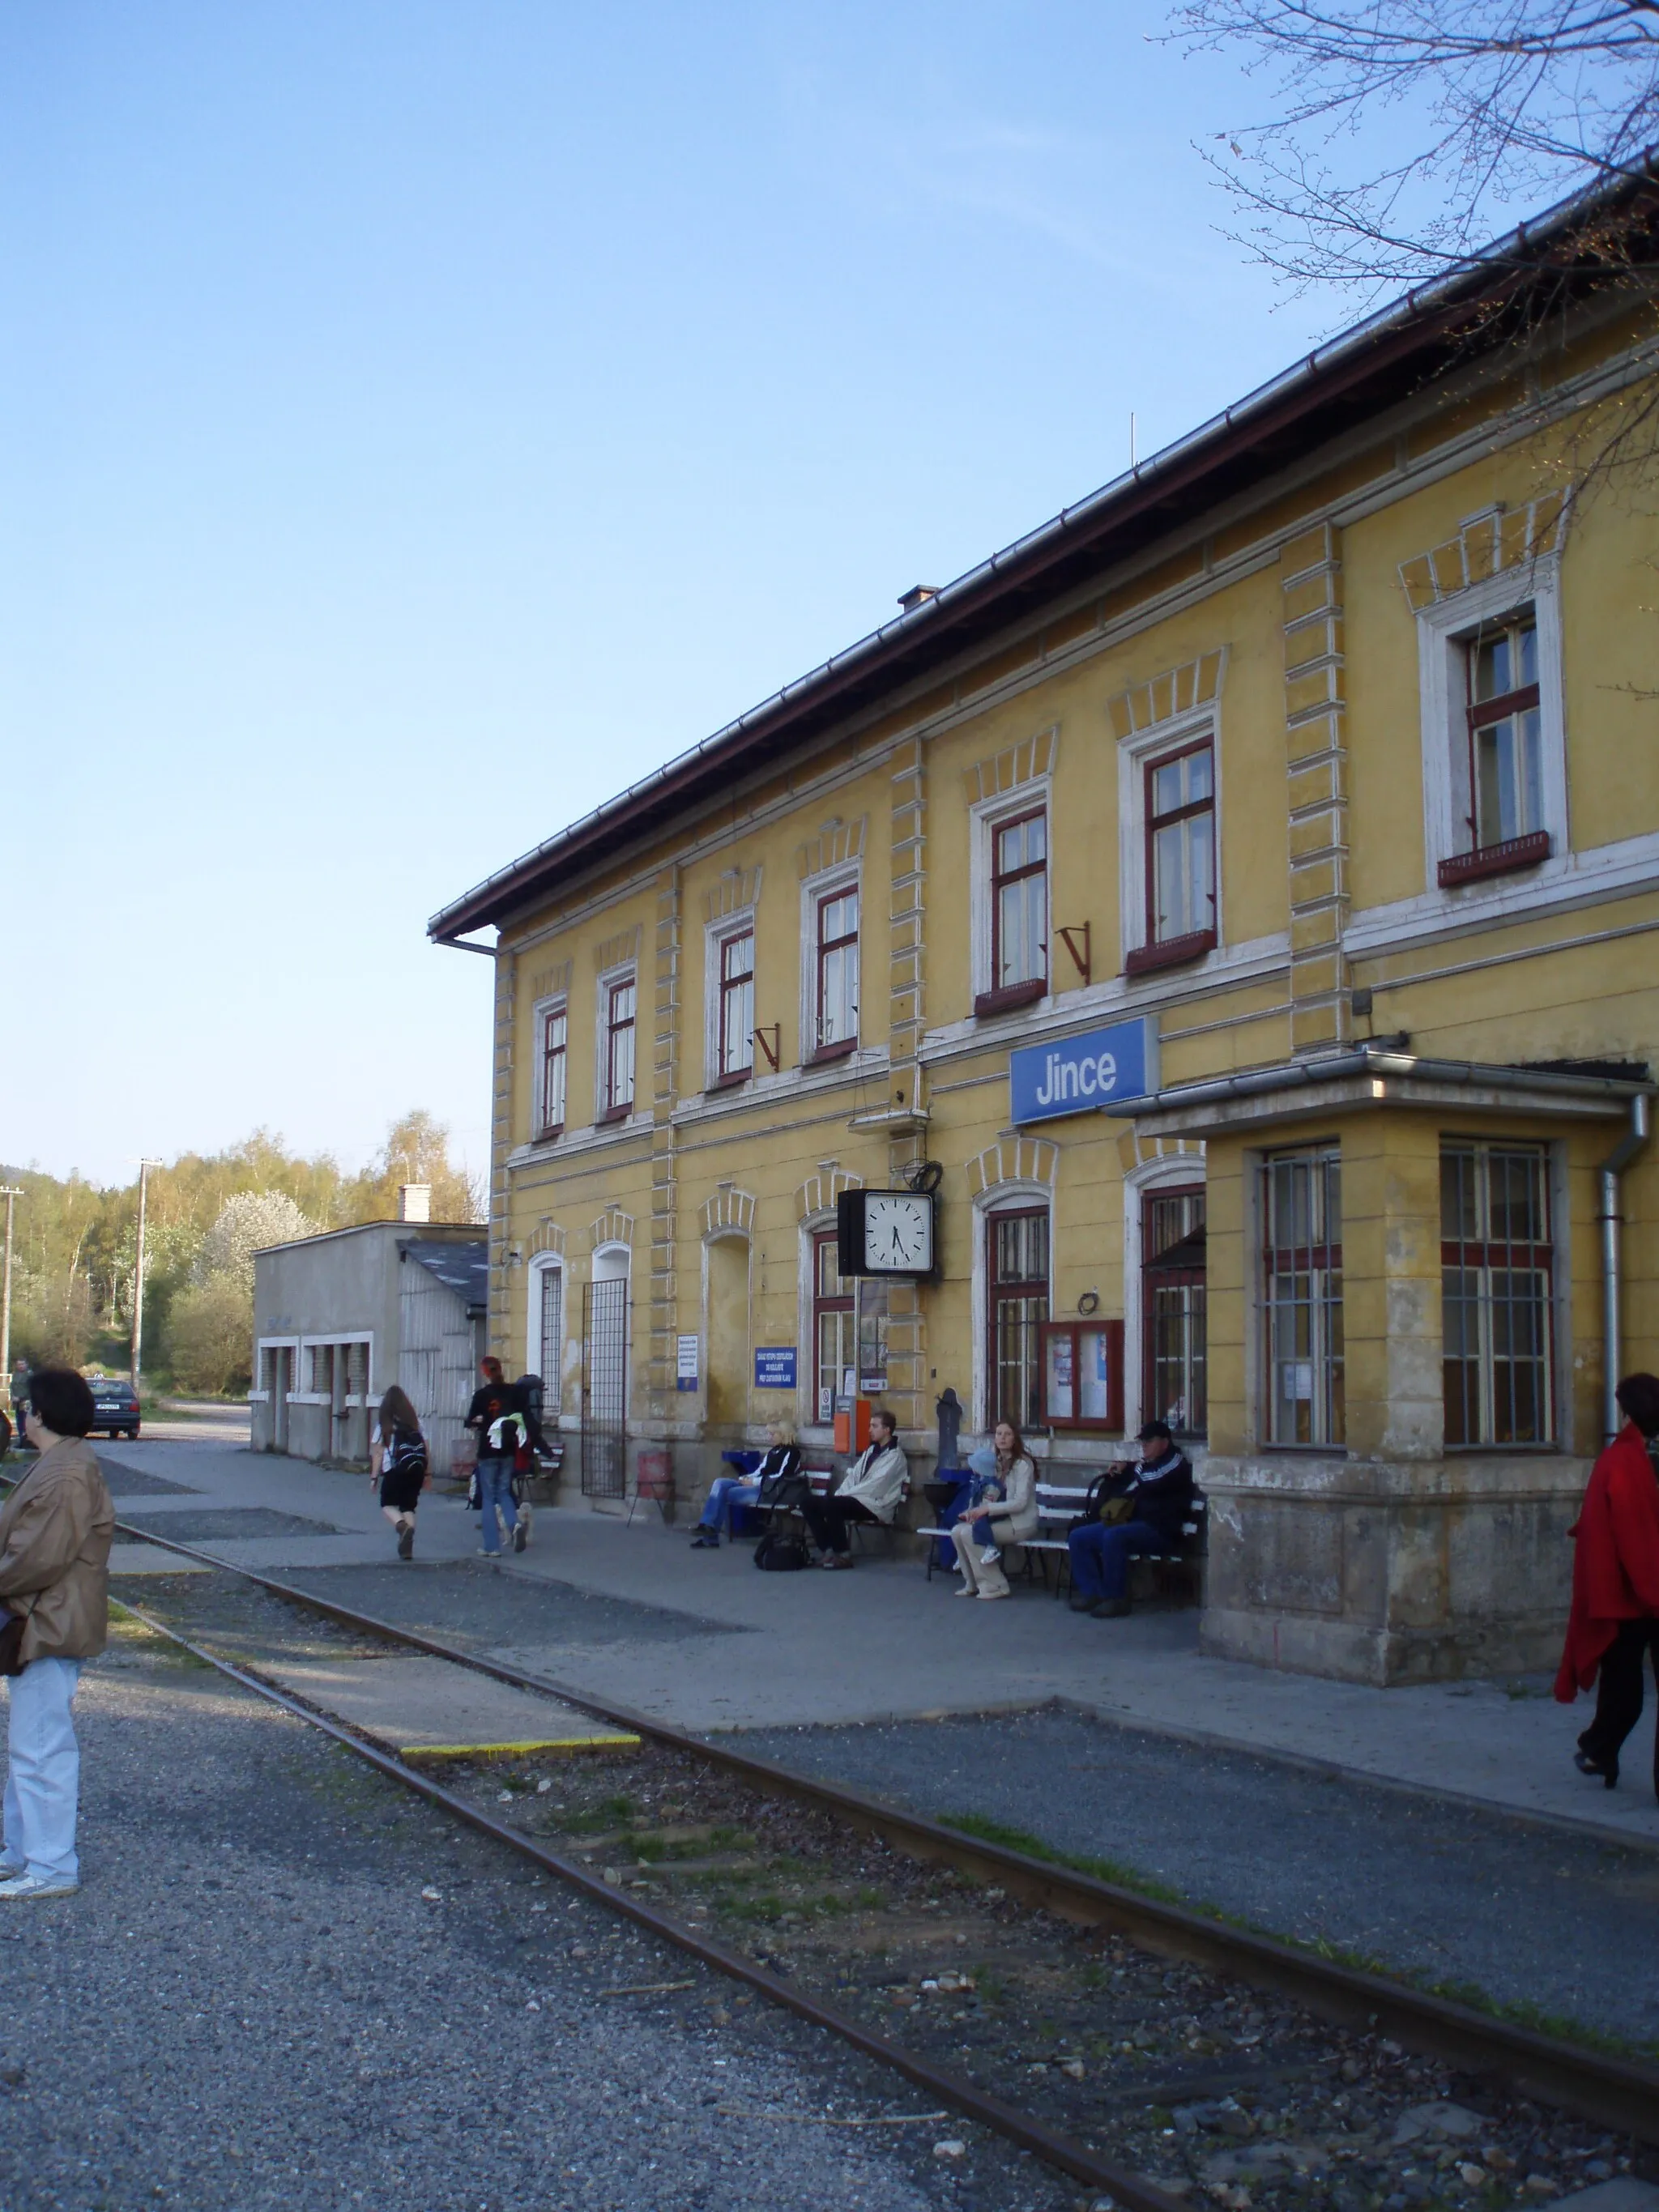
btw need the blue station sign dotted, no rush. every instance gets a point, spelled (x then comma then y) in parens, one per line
(1081, 1074)
(774, 1366)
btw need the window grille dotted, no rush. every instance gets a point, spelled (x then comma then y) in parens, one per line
(1497, 1264)
(1174, 1349)
(604, 1388)
(836, 1014)
(552, 1334)
(835, 1372)
(1302, 1276)
(1018, 1305)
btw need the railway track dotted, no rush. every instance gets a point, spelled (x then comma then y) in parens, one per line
(1361, 2040)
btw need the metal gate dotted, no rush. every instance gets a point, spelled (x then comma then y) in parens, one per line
(605, 1389)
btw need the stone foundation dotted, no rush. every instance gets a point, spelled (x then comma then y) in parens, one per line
(1387, 1571)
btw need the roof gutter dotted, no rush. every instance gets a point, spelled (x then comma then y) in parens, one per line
(1380, 1060)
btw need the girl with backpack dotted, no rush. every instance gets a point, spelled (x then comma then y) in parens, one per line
(398, 1461)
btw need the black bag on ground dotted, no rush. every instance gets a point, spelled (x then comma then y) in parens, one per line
(781, 1555)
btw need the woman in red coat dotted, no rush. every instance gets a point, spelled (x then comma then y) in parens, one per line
(1614, 1623)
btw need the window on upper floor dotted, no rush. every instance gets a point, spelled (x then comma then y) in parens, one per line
(1169, 844)
(1504, 773)
(836, 972)
(734, 1037)
(618, 1008)
(1017, 883)
(551, 1102)
(1496, 1286)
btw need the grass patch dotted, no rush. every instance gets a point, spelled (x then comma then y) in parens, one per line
(1033, 1847)
(609, 1813)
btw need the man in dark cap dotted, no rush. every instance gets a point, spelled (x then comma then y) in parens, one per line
(1159, 1493)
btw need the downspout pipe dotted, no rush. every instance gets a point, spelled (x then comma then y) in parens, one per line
(1634, 1138)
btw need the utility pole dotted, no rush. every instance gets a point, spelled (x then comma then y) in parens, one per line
(145, 1167)
(11, 1192)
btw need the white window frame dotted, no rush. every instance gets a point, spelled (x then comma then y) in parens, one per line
(1134, 754)
(717, 935)
(559, 1004)
(985, 819)
(626, 971)
(258, 1396)
(849, 877)
(336, 1340)
(1442, 632)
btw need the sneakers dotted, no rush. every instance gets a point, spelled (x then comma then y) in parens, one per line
(521, 1533)
(1110, 1608)
(833, 1560)
(11, 1869)
(406, 1540)
(37, 1885)
(705, 1540)
(990, 1555)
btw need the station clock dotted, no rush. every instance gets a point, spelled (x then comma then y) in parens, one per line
(884, 1232)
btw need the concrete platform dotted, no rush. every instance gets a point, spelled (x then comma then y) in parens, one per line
(881, 1643)
(428, 1708)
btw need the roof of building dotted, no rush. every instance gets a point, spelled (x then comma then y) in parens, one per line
(463, 1268)
(1392, 353)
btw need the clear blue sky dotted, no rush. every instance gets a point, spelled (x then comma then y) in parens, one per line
(416, 420)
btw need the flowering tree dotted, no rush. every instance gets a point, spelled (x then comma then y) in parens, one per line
(245, 1224)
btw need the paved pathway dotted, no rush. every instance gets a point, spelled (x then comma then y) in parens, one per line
(880, 1643)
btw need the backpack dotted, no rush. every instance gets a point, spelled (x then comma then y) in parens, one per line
(407, 1456)
(781, 1555)
(1104, 1503)
(789, 1492)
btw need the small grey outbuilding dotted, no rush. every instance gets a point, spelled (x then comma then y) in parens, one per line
(340, 1316)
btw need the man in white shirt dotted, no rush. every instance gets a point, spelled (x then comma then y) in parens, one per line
(872, 1489)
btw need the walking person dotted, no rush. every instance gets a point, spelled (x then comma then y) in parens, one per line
(495, 1414)
(782, 1457)
(1002, 1511)
(872, 1490)
(398, 1463)
(1612, 1631)
(1160, 1503)
(55, 1531)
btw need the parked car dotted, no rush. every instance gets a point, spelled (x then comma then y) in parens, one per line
(114, 1405)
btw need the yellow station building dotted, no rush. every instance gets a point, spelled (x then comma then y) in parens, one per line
(1244, 892)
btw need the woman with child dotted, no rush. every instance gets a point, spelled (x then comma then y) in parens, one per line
(1001, 1510)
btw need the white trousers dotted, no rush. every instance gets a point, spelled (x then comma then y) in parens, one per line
(43, 1769)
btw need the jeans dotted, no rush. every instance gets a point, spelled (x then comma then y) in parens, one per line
(495, 1495)
(42, 1771)
(1619, 1693)
(1100, 1556)
(724, 1492)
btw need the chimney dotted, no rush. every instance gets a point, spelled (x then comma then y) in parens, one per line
(918, 595)
(413, 1201)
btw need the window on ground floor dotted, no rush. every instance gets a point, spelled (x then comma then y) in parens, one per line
(1174, 1378)
(835, 1373)
(1016, 1302)
(1495, 1269)
(1301, 1295)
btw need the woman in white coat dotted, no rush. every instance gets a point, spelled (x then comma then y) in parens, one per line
(986, 1528)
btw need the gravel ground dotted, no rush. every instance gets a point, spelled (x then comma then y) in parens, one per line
(285, 1982)
(1566, 1923)
(133, 1482)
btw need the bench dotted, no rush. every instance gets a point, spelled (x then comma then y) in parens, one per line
(1059, 1504)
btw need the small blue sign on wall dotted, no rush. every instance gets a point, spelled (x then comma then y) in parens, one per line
(774, 1366)
(1081, 1074)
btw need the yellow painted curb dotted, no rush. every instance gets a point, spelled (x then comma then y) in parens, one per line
(517, 1750)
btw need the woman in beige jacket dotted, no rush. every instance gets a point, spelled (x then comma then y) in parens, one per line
(987, 1530)
(55, 1531)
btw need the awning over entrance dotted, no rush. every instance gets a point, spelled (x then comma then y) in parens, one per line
(1363, 1076)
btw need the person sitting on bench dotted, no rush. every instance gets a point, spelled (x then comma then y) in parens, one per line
(1159, 1495)
(870, 1490)
(1001, 1511)
(782, 1457)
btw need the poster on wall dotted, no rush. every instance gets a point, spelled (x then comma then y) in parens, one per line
(774, 1366)
(685, 1363)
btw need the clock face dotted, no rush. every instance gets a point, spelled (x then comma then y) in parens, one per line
(898, 1232)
